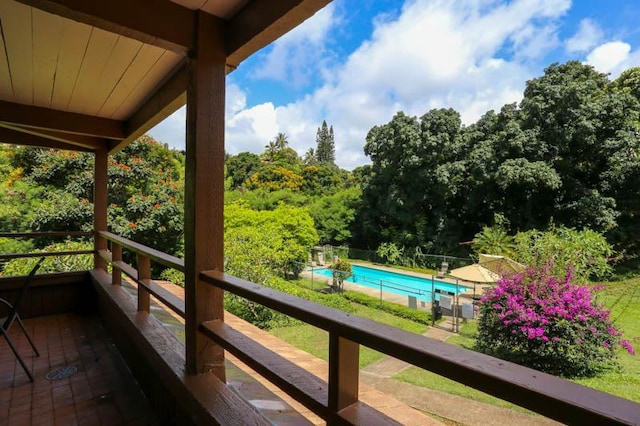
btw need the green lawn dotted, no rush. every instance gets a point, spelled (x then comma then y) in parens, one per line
(316, 341)
(622, 298)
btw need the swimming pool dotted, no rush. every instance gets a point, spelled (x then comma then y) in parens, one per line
(393, 282)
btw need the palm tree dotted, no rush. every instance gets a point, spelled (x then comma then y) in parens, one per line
(310, 156)
(281, 141)
(494, 240)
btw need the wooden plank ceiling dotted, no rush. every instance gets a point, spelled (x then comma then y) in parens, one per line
(84, 75)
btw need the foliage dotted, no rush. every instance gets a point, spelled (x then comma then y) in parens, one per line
(173, 275)
(401, 311)
(585, 253)
(241, 166)
(494, 240)
(325, 144)
(82, 262)
(392, 253)
(267, 318)
(568, 154)
(334, 215)
(273, 178)
(549, 324)
(341, 270)
(282, 236)
(54, 192)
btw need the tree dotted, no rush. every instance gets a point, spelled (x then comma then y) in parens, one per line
(325, 144)
(145, 192)
(413, 181)
(585, 253)
(281, 141)
(494, 240)
(310, 157)
(290, 229)
(334, 215)
(341, 270)
(240, 167)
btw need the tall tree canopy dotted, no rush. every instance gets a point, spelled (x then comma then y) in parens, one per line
(325, 144)
(568, 154)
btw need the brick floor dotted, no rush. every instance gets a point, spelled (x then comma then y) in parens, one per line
(102, 392)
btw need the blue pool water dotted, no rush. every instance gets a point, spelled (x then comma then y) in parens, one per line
(393, 282)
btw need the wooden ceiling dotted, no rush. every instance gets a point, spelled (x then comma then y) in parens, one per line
(85, 75)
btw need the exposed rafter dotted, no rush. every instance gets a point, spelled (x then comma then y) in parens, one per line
(262, 21)
(18, 138)
(80, 141)
(61, 121)
(172, 26)
(166, 100)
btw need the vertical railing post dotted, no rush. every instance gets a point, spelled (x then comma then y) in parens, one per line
(144, 275)
(116, 256)
(204, 192)
(344, 369)
(100, 201)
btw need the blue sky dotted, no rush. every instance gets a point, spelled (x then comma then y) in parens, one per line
(356, 63)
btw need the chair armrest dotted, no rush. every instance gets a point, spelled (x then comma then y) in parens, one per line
(6, 303)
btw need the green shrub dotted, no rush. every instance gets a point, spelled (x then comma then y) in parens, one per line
(267, 318)
(174, 276)
(390, 307)
(68, 263)
(585, 252)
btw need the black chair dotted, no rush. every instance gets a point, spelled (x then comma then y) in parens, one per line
(13, 316)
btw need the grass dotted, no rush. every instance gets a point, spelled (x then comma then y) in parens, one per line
(316, 341)
(621, 297)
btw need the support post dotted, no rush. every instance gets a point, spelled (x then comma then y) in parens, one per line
(204, 192)
(344, 370)
(100, 202)
(116, 256)
(144, 275)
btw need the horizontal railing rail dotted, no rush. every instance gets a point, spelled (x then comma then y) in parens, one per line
(551, 396)
(48, 234)
(9, 256)
(153, 254)
(141, 274)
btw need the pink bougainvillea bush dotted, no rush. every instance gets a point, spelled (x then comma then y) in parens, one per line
(549, 324)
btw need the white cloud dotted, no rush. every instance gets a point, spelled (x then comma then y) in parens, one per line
(587, 36)
(607, 57)
(472, 55)
(295, 56)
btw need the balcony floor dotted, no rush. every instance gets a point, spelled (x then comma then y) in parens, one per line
(102, 392)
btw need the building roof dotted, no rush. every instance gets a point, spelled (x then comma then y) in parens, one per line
(85, 75)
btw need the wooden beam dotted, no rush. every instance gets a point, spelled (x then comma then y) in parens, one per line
(204, 194)
(343, 372)
(80, 141)
(164, 102)
(18, 138)
(100, 203)
(160, 23)
(263, 21)
(61, 121)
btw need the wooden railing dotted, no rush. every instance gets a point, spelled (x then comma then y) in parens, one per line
(336, 401)
(548, 395)
(142, 274)
(34, 235)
